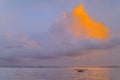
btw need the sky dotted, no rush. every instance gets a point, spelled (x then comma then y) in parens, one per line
(35, 32)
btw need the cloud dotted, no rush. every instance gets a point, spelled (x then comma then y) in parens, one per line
(59, 41)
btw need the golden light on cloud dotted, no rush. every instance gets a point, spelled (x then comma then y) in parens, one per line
(29, 43)
(83, 25)
(64, 15)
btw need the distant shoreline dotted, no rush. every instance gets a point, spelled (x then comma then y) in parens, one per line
(59, 66)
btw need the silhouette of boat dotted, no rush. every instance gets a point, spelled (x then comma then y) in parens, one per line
(81, 70)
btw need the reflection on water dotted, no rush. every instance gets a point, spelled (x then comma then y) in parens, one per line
(59, 73)
(91, 74)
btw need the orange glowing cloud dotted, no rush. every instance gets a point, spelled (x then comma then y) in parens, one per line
(82, 25)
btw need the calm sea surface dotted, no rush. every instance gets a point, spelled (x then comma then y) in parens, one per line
(60, 73)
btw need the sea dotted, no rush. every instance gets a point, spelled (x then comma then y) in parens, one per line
(60, 73)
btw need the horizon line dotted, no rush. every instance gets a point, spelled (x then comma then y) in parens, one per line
(58, 66)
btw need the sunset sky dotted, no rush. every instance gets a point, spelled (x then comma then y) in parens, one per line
(55, 32)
